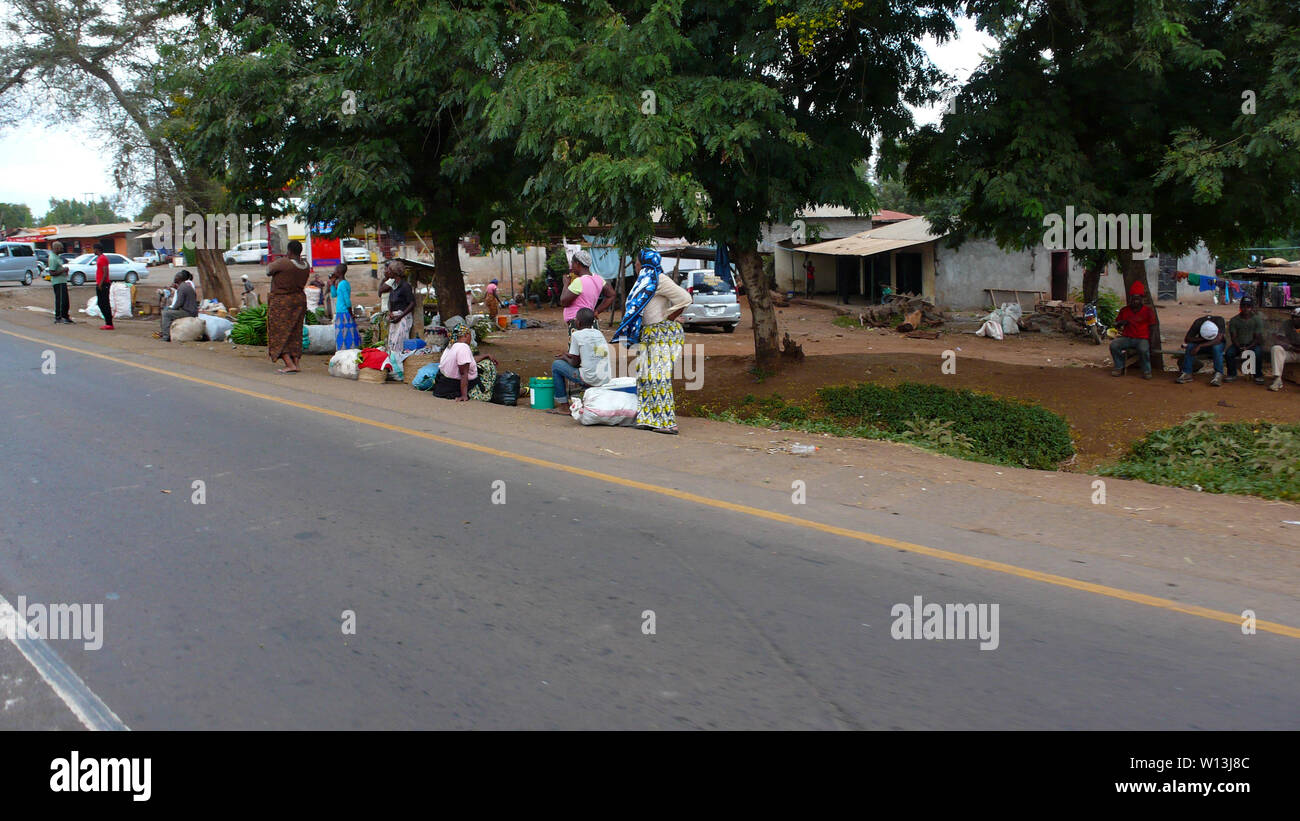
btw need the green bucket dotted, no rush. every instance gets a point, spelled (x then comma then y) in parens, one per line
(542, 391)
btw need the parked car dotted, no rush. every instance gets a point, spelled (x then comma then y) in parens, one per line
(713, 301)
(354, 250)
(19, 263)
(151, 257)
(82, 269)
(245, 252)
(68, 257)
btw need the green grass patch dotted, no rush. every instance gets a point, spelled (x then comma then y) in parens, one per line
(846, 321)
(955, 422)
(1251, 458)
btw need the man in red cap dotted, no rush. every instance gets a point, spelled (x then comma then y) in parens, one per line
(1134, 323)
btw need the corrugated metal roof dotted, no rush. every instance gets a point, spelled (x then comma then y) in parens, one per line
(915, 231)
(92, 231)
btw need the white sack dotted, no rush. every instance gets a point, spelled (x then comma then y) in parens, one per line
(600, 406)
(216, 328)
(187, 329)
(344, 364)
(321, 339)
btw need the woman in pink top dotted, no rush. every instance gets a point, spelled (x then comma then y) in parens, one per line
(585, 289)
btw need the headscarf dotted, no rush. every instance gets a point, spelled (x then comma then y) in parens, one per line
(647, 282)
(583, 258)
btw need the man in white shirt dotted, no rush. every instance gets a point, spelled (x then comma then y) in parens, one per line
(586, 364)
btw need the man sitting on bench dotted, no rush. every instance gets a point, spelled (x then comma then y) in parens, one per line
(1206, 337)
(1134, 322)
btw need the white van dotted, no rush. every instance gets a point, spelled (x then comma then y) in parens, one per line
(19, 263)
(252, 251)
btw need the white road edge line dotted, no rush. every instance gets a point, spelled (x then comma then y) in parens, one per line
(89, 709)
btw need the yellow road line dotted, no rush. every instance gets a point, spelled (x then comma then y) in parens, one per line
(808, 524)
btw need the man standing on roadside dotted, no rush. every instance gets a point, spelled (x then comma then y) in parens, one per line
(102, 285)
(59, 279)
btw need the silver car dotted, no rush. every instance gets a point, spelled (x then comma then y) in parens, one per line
(19, 263)
(713, 301)
(120, 269)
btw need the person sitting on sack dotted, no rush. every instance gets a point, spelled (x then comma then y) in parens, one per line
(586, 364)
(1287, 349)
(1207, 335)
(184, 303)
(1134, 323)
(1245, 334)
(461, 375)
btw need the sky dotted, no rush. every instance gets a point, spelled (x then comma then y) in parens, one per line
(39, 162)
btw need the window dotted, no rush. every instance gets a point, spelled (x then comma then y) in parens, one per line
(710, 284)
(22, 250)
(115, 259)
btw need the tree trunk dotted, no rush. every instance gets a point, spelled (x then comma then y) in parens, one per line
(1135, 270)
(767, 342)
(214, 277)
(1091, 282)
(448, 281)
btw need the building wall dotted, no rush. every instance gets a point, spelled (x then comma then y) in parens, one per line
(1199, 261)
(956, 277)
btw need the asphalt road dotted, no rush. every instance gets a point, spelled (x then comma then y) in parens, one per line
(527, 614)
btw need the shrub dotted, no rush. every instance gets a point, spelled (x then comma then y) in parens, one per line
(1254, 458)
(1003, 430)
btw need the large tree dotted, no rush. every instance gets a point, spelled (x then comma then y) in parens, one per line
(1079, 107)
(372, 110)
(15, 215)
(723, 115)
(75, 212)
(92, 64)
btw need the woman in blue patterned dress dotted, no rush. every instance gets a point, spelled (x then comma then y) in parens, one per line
(650, 323)
(345, 325)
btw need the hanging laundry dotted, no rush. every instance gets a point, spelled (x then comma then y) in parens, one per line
(1209, 283)
(1193, 279)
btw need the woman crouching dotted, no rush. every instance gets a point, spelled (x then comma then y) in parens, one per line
(461, 375)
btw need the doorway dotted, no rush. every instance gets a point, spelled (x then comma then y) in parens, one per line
(908, 270)
(1060, 275)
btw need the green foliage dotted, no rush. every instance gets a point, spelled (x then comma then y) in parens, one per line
(1122, 107)
(75, 211)
(958, 423)
(16, 215)
(1254, 458)
(1003, 430)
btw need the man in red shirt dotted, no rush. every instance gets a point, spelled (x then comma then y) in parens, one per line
(102, 285)
(1134, 323)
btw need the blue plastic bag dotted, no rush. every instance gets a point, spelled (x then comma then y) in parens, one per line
(424, 377)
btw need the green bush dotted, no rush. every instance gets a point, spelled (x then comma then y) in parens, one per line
(1253, 458)
(958, 423)
(1007, 431)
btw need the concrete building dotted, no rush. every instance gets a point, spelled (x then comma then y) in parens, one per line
(910, 257)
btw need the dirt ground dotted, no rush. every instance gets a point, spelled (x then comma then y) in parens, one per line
(1069, 375)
